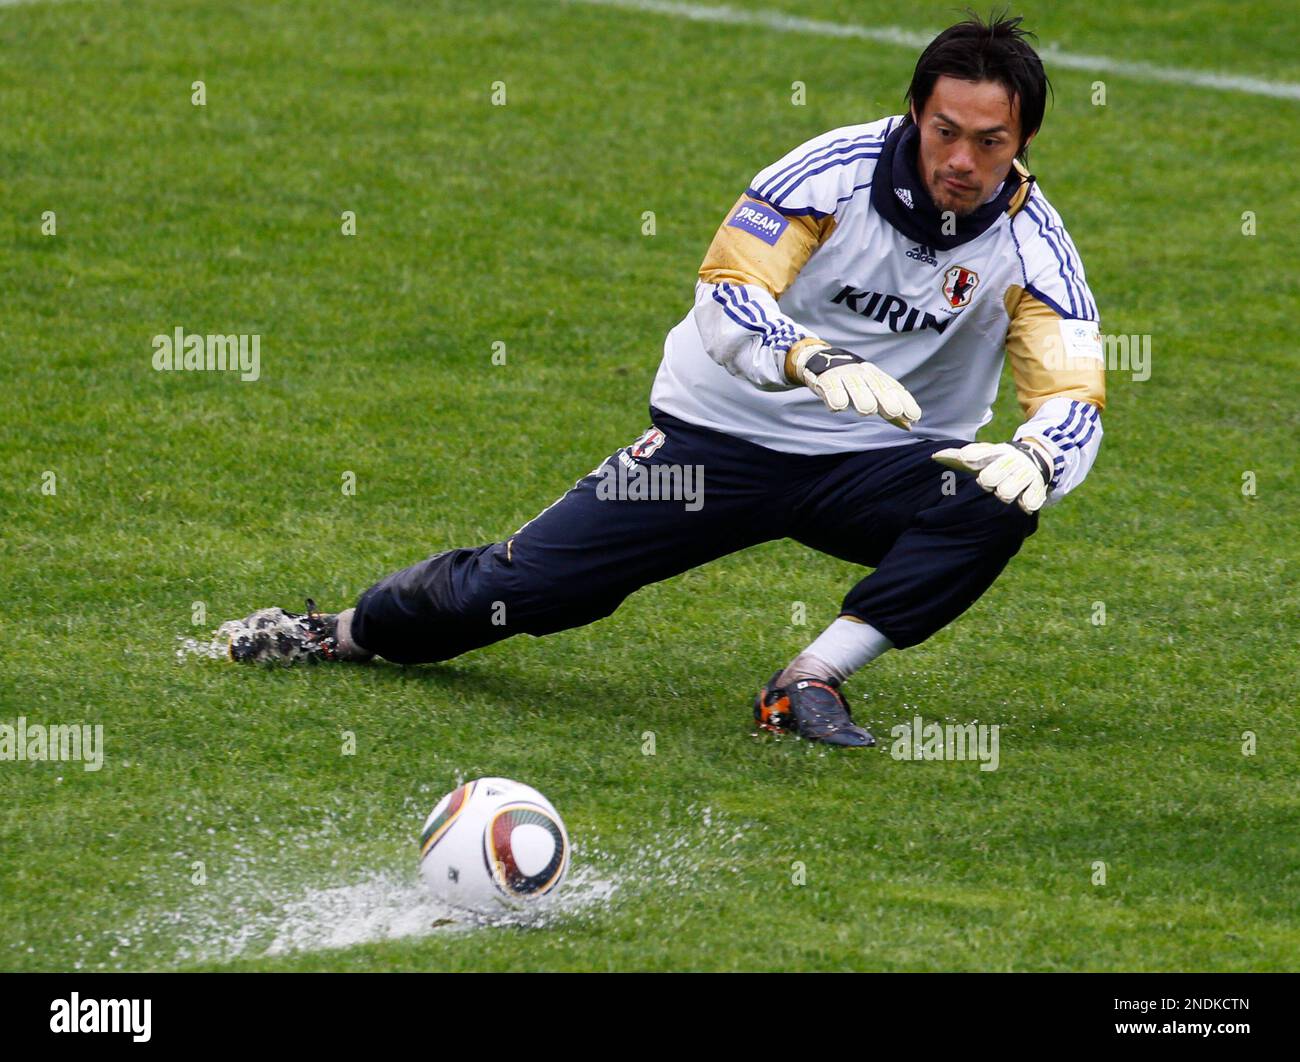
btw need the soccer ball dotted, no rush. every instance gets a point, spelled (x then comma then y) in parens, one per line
(494, 845)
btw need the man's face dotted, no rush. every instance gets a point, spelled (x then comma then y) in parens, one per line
(970, 132)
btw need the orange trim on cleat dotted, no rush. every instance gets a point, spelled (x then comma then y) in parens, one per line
(772, 708)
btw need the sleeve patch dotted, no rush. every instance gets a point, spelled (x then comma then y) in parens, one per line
(1081, 341)
(759, 219)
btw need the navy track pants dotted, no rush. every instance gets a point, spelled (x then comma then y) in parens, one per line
(936, 541)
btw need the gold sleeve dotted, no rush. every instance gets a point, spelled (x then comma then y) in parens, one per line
(739, 257)
(1039, 361)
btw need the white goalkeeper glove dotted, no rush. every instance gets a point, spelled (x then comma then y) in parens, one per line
(839, 376)
(1014, 471)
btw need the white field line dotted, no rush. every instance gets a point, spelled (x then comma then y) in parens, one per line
(1052, 56)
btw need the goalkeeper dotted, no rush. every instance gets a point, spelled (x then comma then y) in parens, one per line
(849, 328)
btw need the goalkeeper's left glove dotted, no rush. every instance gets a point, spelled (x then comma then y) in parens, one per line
(1014, 471)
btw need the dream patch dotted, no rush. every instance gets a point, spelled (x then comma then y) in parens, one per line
(759, 219)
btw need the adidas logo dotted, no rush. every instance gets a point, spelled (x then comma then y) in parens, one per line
(905, 196)
(923, 254)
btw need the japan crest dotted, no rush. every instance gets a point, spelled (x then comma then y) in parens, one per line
(648, 443)
(958, 283)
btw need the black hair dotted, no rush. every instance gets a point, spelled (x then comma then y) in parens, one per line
(996, 50)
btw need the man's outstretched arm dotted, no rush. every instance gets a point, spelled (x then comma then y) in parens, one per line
(1059, 370)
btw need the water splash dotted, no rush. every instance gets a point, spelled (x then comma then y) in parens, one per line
(217, 648)
(273, 899)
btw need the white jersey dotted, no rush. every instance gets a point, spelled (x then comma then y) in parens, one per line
(805, 254)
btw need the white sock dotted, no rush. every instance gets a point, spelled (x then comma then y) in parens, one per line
(843, 647)
(348, 649)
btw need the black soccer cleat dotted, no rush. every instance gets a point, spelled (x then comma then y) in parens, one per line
(811, 708)
(272, 634)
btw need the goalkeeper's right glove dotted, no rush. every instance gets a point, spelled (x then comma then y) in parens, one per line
(838, 377)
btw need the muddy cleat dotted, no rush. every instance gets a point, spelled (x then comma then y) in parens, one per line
(272, 634)
(813, 709)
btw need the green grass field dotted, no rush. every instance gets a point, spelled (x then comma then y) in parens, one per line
(227, 830)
